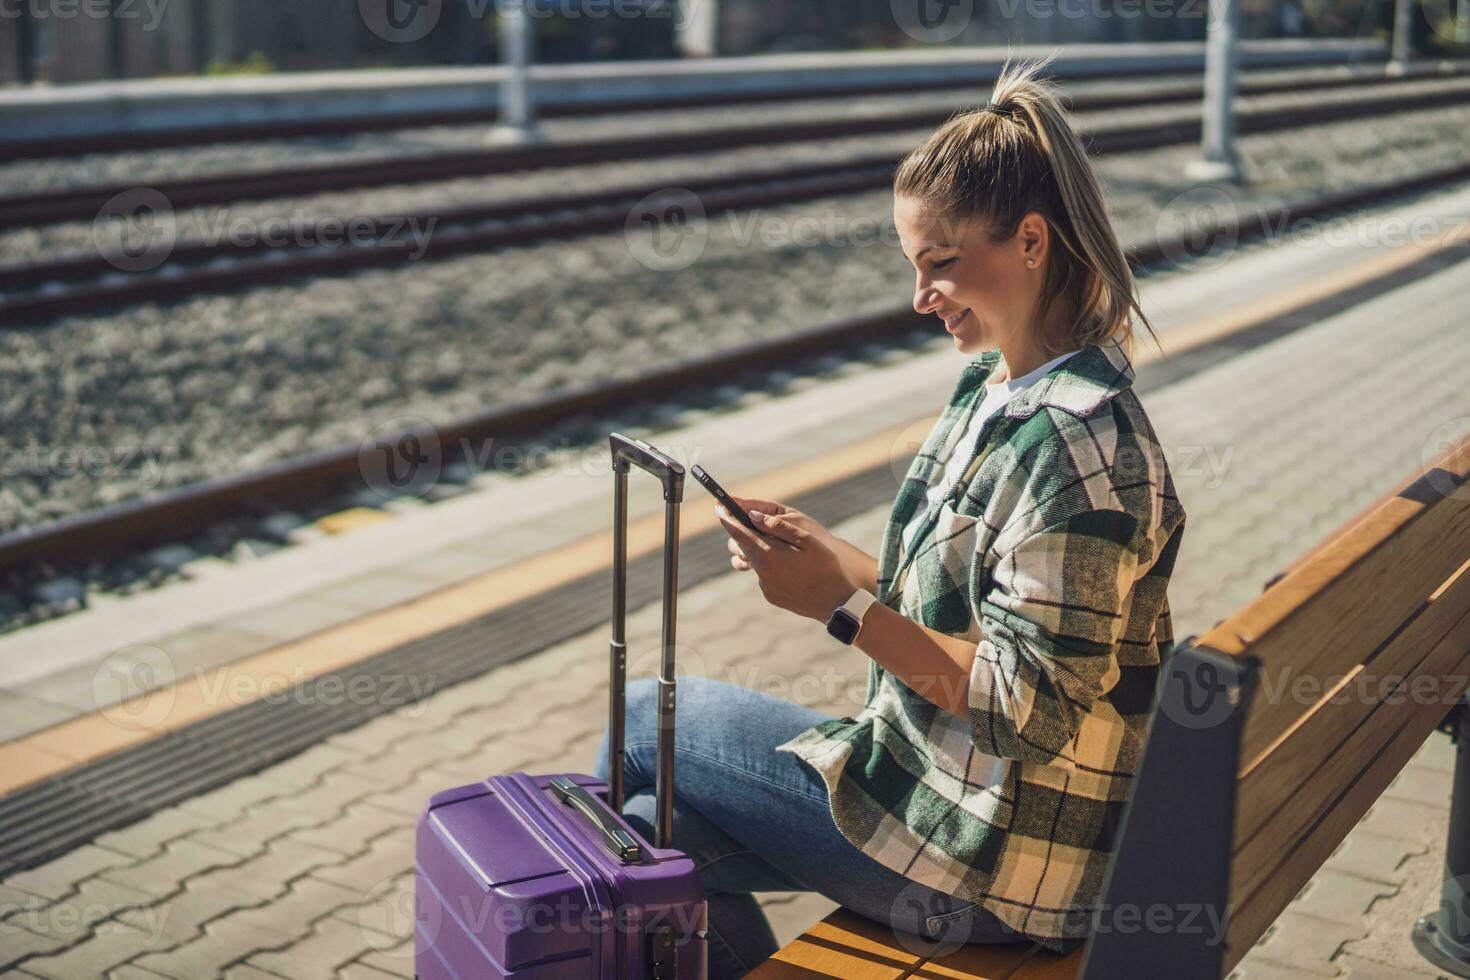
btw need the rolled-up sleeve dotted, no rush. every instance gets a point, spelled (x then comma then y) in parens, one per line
(1051, 623)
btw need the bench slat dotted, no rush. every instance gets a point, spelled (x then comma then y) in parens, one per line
(1283, 788)
(843, 945)
(1011, 961)
(1295, 864)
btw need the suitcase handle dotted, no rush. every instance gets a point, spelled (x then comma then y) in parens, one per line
(623, 844)
(626, 453)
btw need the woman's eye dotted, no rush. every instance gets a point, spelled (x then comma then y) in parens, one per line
(942, 263)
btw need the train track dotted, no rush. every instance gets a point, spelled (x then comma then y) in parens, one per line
(109, 533)
(83, 204)
(32, 294)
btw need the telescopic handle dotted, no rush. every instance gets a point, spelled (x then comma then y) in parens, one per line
(626, 453)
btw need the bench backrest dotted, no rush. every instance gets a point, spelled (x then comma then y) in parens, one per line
(1278, 728)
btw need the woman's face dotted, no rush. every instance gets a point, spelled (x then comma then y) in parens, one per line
(984, 292)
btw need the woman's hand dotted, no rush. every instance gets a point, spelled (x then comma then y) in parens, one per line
(798, 569)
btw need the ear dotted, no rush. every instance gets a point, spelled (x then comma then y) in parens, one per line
(1034, 235)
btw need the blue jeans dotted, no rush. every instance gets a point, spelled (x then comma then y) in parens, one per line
(757, 820)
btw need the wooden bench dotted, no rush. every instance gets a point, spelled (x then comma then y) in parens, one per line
(1273, 733)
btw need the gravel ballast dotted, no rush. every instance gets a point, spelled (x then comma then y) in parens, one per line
(99, 409)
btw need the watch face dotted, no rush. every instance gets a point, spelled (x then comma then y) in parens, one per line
(843, 625)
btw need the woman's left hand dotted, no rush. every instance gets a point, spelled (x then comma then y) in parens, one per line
(797, 571)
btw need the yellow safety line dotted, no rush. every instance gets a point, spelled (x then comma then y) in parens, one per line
(69, 744)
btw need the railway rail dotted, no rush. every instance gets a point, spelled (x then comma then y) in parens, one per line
(33, 293)
(83, 204)
(48, 551)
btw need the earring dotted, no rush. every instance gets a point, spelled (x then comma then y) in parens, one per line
(1031, 263)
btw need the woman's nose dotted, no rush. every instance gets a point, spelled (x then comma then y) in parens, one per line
(926, 299)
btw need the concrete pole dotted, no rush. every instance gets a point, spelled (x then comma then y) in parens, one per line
(517, 101)
(697, 28)
(1218, 161)
(1399, 53)
(1462, 22)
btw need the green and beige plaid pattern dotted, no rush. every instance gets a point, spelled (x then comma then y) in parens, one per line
(1053, 553)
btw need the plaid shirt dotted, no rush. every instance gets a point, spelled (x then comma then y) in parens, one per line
(1053, 553)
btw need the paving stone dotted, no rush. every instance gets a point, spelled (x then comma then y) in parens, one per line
(379, 589)
(1306, 943)
(1372, 856)
(161, 875)
(386, 910)
(72, 918)
(1422, 784)
(61, 877)
(292, 618)
(1358, 968)
(130, 972)
(267, 875)
(396, 962)
(211, 645)
(306, 768)
(350, 833)
(387, 857)
(1404, 820)
(331, 944)
(245, 932)
(1255, 968)
(244, 971)
(21, 943)
(21, 714)
(1339, 897)
(409, 799)
(228, 802)
(94, 956)
(148, 836)
(361, 971)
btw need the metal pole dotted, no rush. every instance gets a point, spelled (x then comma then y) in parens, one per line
(1443, 937)
(1218, 161)
(617, 707)
(517, 104)
(1399, 56)
(697, 27)
(664, 777)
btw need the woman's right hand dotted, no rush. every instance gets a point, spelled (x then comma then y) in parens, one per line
(810, 525)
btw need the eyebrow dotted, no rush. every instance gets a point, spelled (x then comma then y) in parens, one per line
(920, 253)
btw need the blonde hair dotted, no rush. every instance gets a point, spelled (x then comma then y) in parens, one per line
(1016, 155)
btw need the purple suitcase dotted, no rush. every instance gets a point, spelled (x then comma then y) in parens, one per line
(540, 877)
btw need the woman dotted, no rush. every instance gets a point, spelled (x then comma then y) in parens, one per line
(1021, 609)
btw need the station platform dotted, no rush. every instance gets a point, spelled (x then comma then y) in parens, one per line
(35, 115)
(1281, 416)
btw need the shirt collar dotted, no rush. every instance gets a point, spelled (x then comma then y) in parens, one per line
(1078, 385)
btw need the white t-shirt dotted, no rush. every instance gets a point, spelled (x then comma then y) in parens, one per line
(951, 740)
(996, 396)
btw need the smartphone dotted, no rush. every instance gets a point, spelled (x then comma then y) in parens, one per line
(718, 492)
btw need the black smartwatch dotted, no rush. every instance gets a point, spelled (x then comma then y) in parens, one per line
(847, 618)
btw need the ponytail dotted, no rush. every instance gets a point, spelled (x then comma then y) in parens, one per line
(1020, 154)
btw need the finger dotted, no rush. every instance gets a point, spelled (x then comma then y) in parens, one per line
(756, 503)
(739, 564)
(781, 528)
(733, 546)
(749, 541)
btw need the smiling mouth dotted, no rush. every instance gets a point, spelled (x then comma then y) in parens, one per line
(953, 320)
